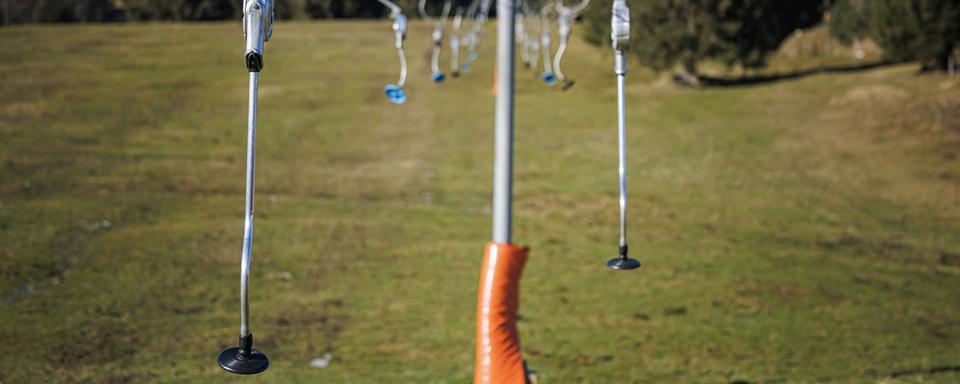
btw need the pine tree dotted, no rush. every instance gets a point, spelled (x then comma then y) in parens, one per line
(850, 20)
(734, 32)
(924, 30)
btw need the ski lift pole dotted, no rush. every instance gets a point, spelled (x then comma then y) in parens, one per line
(620, 36)
(497, 353)
(257, 28)
(503, 160)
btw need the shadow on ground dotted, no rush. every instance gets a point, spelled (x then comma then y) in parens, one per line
(709, 81)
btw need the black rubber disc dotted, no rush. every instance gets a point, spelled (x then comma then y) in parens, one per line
(231, 361)
(621, 264)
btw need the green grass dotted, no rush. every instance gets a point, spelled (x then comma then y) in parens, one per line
(798, 231)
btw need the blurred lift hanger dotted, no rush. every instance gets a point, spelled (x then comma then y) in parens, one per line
(479, 23)
(455, 42)
(565, 18)
(531, 42)
(395, 92)
(547, 76)
(257, 28)
(436, 75)
(519, 34)
(471, 40)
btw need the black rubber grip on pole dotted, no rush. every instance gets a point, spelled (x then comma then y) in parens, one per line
(254, 61)
(246, 345)
(623, 251)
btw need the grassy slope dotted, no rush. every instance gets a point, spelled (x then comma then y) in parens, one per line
(798, 231)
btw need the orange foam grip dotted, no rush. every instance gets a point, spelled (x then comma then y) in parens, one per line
(498, 359)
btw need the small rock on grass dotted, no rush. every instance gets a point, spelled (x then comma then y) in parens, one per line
(321, 362)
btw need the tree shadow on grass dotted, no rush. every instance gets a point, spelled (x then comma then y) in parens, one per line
(710, 81)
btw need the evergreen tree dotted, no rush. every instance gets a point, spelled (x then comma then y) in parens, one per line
(319, 9)
(183, 10)
(850, 20)
(923, 30)
(671, 32)
(52, 11)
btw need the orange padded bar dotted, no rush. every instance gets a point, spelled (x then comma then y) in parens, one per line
(498, 358)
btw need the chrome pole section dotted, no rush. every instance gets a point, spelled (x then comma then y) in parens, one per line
(620, 36)
(248, 206)
(621, 136)
(503, 130)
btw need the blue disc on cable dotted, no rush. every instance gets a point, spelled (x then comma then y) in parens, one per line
(549, 78)
(472, 56)
(395, 93)
(438, 77)
(465, 67)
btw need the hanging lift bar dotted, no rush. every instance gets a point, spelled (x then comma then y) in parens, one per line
(547, 76)
(455, 42)
(257, 28)
(471, 40)
(519, 33)
(479, 23)
(436, 75)
(531, 43)
(395, 92)
(479, 12)
(565, 18)
(620, 36)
